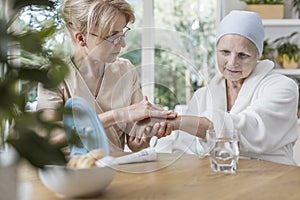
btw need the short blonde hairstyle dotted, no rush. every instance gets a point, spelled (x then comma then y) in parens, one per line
(95, 15)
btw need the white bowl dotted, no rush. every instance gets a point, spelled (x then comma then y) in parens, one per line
(76, 182)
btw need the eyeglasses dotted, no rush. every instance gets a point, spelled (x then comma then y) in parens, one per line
(114, 39)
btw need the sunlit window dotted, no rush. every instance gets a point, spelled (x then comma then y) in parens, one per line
(184, 33)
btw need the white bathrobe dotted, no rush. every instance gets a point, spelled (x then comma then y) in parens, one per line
(265, 112)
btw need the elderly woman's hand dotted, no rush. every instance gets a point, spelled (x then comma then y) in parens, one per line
(143, 130)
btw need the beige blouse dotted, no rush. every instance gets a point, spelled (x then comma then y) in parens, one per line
(119, 88)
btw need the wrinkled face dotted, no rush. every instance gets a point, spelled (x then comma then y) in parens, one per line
(103, 48)
(236, 56)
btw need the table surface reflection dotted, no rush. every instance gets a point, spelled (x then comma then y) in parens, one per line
(175, 176)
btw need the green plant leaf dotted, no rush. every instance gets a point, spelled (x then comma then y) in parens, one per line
(263, 1)
(22, 56)
(37, 150)
(31, 42)
(37, 75)
(19, 4)
(57, 71)
(9, 94)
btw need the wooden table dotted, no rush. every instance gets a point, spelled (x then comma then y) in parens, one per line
(176, 176)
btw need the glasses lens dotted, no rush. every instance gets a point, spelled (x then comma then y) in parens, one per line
(117, 40)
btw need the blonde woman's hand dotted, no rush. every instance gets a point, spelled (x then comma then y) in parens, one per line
(143, 110)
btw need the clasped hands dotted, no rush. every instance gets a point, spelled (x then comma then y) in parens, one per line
(152, 120)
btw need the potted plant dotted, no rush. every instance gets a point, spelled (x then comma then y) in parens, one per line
(268, 50)
(287, 51)
(267, 9)
(17, 126)
(288, 55)
(20, 124)
(296, 6)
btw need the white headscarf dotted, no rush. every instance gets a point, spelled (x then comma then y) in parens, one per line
(244, 23)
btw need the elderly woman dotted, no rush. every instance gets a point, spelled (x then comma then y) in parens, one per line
(246, 95)
(110, 84)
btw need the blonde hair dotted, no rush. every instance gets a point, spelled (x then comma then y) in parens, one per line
(95, 15)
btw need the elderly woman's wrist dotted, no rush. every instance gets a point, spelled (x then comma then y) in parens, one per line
(175, 123)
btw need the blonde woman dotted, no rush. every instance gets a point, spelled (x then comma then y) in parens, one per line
(110, 84)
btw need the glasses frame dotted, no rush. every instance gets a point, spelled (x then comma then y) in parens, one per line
(116, 40)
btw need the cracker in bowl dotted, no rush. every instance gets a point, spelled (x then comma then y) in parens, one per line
(87, 160)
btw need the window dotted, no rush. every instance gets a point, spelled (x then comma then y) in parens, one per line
(183, 47)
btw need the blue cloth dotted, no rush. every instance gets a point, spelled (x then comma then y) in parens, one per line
(83, 128)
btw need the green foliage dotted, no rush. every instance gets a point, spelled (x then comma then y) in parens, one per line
(289, 49)
(184, 44)
(37, 150)
(284, 45)
(192, 51)
(169, 79)
(296, 3)
(282, 48)
(268, 51)
(19, 4)
(263, 1)
(15, 48)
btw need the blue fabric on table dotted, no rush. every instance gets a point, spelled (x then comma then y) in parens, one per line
(83, 128)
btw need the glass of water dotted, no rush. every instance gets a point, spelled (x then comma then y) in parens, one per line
(223, 148)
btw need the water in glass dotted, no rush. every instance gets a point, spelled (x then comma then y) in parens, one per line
(224, 153)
